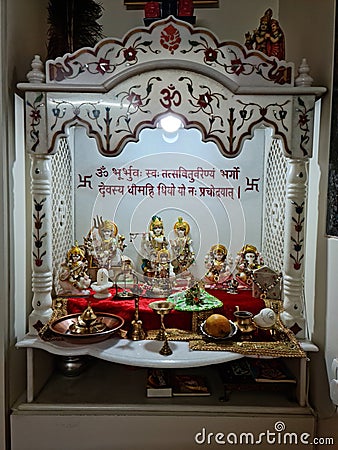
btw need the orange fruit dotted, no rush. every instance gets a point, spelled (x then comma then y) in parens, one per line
(217, 326)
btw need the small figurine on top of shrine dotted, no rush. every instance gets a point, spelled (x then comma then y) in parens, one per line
(185, 8)
(218, 265)
(276, 40)
(248, 259)
(152, 10)
(182, 252)
(73, 276)
(105, 245)
(268, 38)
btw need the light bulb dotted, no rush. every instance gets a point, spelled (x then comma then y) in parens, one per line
(170, 123)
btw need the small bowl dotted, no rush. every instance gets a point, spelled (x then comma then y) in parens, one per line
(61, 328)
(233, 331)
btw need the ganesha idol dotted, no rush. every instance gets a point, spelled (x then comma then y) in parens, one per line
(218, 264)
(248, 259)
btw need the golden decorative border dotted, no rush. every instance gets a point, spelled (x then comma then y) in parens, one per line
(59, 307)
(175, 334)
(286, 346)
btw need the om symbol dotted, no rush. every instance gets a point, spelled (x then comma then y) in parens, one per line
(170, 96)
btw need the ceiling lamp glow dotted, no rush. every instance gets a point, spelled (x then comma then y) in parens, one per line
(170, 124)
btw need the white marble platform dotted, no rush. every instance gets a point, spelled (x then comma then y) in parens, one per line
(143, 353)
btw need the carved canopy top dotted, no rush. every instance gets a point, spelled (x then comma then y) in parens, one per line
(122, 86)
(168, 42)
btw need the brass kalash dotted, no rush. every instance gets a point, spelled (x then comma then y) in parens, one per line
(88, 323)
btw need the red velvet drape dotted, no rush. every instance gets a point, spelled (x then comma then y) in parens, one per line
(176, 319)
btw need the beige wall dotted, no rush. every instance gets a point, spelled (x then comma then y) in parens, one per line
(23, 24)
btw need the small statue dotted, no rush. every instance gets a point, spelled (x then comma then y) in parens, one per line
(159, 284)
(248, 259)
(182, 251)
(276, 40)
(216, 261)
(105, 245)
(163, 264)
(152, 10)
(185, 8)
(268, 38)
(151, 243)
(73, 277)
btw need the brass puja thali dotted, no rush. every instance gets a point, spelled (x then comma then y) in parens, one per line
(89, 327)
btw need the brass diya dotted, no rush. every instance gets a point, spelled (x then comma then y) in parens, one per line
(162, 308)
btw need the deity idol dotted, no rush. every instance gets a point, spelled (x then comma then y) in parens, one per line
(276, 40)
(151, 243)
(248, 259)
(218, 265)
(105, 245)
(73, 276)
(268, 38)
(182, 251)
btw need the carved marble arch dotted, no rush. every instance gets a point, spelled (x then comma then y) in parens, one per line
(122, 86)
(126, 85)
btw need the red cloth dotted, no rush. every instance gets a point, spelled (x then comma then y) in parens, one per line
(176, 319)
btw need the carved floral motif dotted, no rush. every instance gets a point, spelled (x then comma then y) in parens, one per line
(303, 123)
(35, 115)
(106, 64)
(38, 217)
(139, 46)
(219, 115)
(298, 221)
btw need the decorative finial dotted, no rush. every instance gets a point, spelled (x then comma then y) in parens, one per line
(36, 75)
(304, 79)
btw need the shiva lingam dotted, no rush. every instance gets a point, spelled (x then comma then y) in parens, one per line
(244, 321)
(162, 308)
(87, 323)
(102, 285)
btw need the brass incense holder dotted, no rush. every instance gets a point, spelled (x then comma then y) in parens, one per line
(87, 323)
(88, 328)
(162, 308)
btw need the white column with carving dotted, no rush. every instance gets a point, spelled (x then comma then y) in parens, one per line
(294, 252)
(42, 278)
